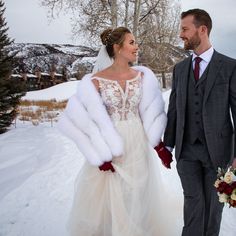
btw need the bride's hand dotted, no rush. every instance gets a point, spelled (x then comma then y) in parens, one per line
(164, 154)
(107, 166)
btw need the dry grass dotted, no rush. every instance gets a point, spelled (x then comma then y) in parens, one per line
(50, 105)
(40, 111)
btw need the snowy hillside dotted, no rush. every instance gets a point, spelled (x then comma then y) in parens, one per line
(69, 58)
(29, 57)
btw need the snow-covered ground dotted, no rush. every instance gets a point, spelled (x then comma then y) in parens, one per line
(59, 92)
(38, 167)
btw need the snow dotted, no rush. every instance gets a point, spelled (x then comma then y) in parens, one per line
(24, 50)
(44, 73)
(59, 92)
(36, 181)
(42, 56)
(16, 76)
(77, 63)
(38, 167)
(57, 74)
(90, 60)
(31, 75)
(72, 49)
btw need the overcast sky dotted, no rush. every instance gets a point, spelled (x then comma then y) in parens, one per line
(28, 22)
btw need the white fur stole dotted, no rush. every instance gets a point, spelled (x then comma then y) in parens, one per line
(87, 123)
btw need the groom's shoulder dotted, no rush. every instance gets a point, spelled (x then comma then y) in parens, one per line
(224, 57)
(183, 62)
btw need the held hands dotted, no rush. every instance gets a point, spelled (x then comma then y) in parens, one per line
(164, 154)
(107, 166)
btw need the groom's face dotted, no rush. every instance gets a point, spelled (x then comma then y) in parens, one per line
(189, 33)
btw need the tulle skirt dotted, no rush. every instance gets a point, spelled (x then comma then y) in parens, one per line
(133, 201)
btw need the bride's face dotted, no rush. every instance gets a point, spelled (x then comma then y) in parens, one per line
(129, 48)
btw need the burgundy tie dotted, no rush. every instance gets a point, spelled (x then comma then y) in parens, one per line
(197, 68)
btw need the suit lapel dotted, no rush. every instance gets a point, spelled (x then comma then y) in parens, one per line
(214, 68)
(184, 76)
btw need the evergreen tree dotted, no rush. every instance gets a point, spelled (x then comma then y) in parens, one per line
(10, 91)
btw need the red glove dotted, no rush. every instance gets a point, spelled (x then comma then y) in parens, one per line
(106, 166)
(164, 154)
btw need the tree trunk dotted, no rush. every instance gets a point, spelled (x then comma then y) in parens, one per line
(114, 13)
(163, 77)
(137, 5)
(126, 12)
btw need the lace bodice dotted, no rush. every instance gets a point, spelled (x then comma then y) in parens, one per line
(121, 104)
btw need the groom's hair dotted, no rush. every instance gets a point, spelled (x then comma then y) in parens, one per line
(201, 17)
(111, 36)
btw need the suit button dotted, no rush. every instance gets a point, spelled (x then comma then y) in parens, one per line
(197, 113)
(196, 94)
(196, 103)
(197, 122)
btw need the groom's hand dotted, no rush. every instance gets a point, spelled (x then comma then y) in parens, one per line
(107, 166)
(234, 163)
(164, 154)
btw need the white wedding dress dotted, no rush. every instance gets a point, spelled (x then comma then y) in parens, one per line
(132, 201)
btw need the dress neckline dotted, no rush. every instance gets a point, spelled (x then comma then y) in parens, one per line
(115, 80)
(123, 90)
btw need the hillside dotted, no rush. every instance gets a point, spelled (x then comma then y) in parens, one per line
(71, 59)
(45, 57)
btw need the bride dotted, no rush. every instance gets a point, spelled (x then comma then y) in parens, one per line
(117, 118)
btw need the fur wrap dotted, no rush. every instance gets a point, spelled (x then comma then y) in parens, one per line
(86, 121)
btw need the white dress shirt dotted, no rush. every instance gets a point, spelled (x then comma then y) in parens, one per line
(206, 58)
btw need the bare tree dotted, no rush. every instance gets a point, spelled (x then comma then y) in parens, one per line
(90, 17)
(137, 11)
(158, 47)
(154, 23)
(114, 10)
(126, 13)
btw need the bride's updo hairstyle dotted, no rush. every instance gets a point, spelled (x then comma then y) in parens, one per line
(111, 36)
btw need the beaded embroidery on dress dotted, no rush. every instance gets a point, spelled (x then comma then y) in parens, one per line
(129, 201)
(121, 104)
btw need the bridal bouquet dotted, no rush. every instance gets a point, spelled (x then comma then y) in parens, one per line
(226, 186)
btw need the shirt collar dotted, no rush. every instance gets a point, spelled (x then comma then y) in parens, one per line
(206, 56)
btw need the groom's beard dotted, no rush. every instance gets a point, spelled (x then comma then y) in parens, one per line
(192, 43)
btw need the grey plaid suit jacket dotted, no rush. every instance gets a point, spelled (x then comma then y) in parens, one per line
(219, 103)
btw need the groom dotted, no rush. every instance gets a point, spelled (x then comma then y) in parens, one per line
(199, 123)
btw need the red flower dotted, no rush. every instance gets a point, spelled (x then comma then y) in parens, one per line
(228, 190)
(221, 187)
(232, 203)
(233, 185)
(225, 188)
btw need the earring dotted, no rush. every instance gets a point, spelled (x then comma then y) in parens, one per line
(119, 52)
